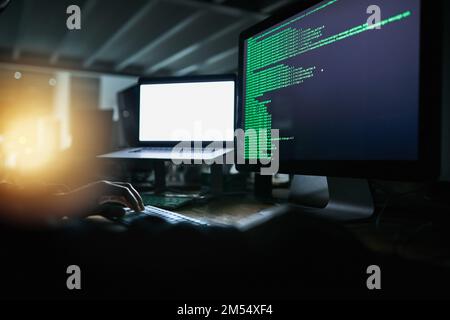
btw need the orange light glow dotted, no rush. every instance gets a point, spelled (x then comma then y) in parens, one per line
(30, 144)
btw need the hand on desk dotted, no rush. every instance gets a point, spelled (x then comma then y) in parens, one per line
(25, 205)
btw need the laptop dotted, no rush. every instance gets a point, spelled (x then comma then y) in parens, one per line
(183, 118)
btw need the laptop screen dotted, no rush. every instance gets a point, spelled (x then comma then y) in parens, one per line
(188, 111)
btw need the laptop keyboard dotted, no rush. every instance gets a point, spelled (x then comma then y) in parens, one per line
(169, 150)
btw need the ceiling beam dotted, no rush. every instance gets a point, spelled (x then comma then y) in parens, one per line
(122, 31)
(226, 69)
(86, 10)
(219, 8)
(195, 47)
(211, 61)
(275, 6)
(187, 70)
(156, 42)
(219, 57)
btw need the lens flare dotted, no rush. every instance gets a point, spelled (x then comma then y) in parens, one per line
(30, 144)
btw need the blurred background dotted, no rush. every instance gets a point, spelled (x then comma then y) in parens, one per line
(58, 87)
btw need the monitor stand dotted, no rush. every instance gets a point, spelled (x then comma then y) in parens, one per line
(160, 177)
(340, 199)
(160, 186)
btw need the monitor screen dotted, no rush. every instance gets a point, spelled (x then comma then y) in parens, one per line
(188, 111)
(337, 82)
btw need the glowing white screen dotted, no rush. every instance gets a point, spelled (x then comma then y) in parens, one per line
(197, 111)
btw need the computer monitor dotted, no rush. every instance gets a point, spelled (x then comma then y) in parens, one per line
(128, 104)
(197, 109)
(353, 88)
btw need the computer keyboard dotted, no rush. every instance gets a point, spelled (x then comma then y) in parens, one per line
(130, 217)
(169, 150)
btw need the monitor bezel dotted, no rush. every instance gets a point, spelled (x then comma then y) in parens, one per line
(184, 79)
(427, 167)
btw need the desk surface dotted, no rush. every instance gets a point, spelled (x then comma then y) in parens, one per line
(226, 210)
(406, 238)
(411, 240)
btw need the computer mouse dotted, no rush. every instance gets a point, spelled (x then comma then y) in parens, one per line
(112, 210)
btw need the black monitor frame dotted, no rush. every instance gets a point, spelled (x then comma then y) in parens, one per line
(428, 165)
(187, 79)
